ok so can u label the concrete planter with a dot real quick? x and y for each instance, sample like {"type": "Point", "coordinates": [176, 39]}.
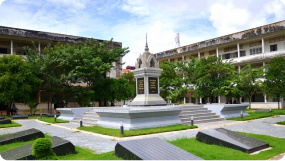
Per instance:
{"type": "Point", "coordinates": [71, 113]}
{"type": "Point", "coordinates": [138, 117]}
{"type": "Point", "coordinates": [228, 110]}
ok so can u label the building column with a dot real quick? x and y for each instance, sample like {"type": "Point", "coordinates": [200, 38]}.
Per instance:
{"type": "Point", "coordinates": [201, 100]}
{"type": "Point", "coordinates": [182, 57]}
{"type": "Point", "coordinates": [217, 52]}
{"type": "Point", "coordinates": [199, 55]}
{"type": "Point", "coordinates": [238, 50]}
{"type": "Point", "coordinates": [184, 100]}
{"type": "Point", "coordinates": [239, 68]}
{"type": "Point", "coordinates": [265, 101]}
{"type": "Point", "coordinates": [168, 59]}
{"type": "Point", "coordinates": [219, 99]}
{"type": "Point", "coordinates": [262, 44]}
{"type": "Point", "coordinates": [12, 47]}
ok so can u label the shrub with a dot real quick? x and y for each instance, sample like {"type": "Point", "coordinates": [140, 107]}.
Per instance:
{"type": "Point", "coordinates": [42, 149]}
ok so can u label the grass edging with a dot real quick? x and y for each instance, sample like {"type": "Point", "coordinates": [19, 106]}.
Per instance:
{"type": "Point", "coordinates": [51, 120]}
{"type": "Point", "coordinates": [13, 124]}
{"type": "Point", "coordinates": [146, 131]}
{"type": "Point", "coordinates": [257, 115]}
{"type": "Point", "coordinates": [280, 123]}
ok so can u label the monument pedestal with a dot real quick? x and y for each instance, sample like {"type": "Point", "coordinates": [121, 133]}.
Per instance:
{"type": "Point", "coordinates": [147, 87]}
{"type": "Point", "coordinates": [138, 117]}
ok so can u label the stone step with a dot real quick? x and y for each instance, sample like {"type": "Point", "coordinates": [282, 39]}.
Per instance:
{"type": "Point", "coordinates": [198, 109]}
{"type": "Point", "coordinates": [203, 121]}
{"type": "Point", "coordinates": [200, 118]}
{"type": "Point", "coordinates": [85, 122]}
{"type": "Point", "coordinates": [195, 115]}
{"type": "Point", "coordinates": [90, 117]}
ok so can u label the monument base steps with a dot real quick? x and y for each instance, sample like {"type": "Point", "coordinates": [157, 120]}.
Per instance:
{"type": "Point", "coordinates": [89, 118]}
{"type": "Point", "coordinates": [200, 114]}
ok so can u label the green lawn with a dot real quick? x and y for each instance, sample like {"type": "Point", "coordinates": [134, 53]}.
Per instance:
{"type": "Point", "coordinates": [10, 146]}
{"type": "Point", "coordinates": [214, 152]}
{"type": "Point", "coordinates": [281, 123]}
{"type": "Point", "coordinates": [51, 120]}
{"type": "Point", "coordinates": [13, 124]}
{"type": "Point", "coordinates": [87, 154]}
{"type": "Point", "coordinates": [116, 132]}
{"type": "Point", "coordinates": [207, 152]}
{"type": "Point", "coordinates": [259, 115]}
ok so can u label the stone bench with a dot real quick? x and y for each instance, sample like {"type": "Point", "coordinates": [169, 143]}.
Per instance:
{"type": "Point", "coordinates": [5, 121]}
{"type": "Point", "coordinates": [52, 115]}
{"type": "Point", "coordinates": [20, 116]}
{"type": "Point", "coordinates": [25, 135]}
{"type": "Point", "coordinates": [260, 111]}
{"type": "Point", "coordinates": [59, 146]}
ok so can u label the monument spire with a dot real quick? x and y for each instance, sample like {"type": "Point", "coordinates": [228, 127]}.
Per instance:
{"type": "Point", "coordinates": [146, 46]}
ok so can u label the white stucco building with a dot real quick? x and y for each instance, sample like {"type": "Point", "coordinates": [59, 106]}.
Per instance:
{"type": "Point", "coordinates": [256, 46]}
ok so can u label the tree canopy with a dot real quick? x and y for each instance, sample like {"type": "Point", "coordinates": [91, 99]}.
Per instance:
{"type": "Point", "coordinates": [17, 80]}
{"type": "Point", "coordinates": [76, 70]}
{"type": "Point", "coordinates": [275, 79]}
{"type": "Point", "coordinates": [171, 84]}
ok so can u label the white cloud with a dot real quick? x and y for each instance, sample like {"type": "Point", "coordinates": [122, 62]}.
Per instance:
{"type": "Point", "coordinates": [78, 4]}
{"type": "Point", "coordinates": [233, 16]}
{"type": "Point", "coordinates": [1, 1]}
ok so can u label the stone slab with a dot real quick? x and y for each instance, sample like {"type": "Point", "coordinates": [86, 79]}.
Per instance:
{"type": "Point", "coordinates": [20, 116]}
{"type": "Point", "coordinates": [52, 115]}
{"type": "Point", "coordinates": [138, 117]}
{"type": "Point", "coordinates": [59, 146]}
{"type": "Point", "coordinates": [69, 114]}
{"type": "Point", "coordinates": [265, 111]}
{"type": "Point", "coordinates": [228, 110]}
{"type": "Point", "coordinates": [2, 118]}
{"type": "Point", "coordinates": [230, 139]}
{"type": "Point", "coordinates": [5, 121]}
{"type": "Point", "coordinates": [151, 149]}
{"type": "Point", "coordinates": [24, 135]}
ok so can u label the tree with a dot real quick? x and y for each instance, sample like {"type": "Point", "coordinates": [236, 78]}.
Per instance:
{"type": "Point", "coordinates": [275, 79]}
{"type": "Point", "coordinates": [17, 80]}
{"type": "Point", "coordinates": [82, 64]}
{"type": "Point", "coordinates": [250, 81]}
{"type": "Point", "coordinates": [171, 84]}
{"type": "Point", "coordinates": [209, 76]}
{"type": "Point", "coordinates": [50, 68]}
{"type": "Point", "coordinates": [129, 76]}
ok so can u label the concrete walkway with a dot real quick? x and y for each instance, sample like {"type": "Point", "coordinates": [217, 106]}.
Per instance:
{"type": "Point", "coordinates": [101, 143]}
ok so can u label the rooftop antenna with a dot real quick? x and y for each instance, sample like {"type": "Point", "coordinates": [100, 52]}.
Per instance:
{"type": "Point", "coordinates": [177, 40]}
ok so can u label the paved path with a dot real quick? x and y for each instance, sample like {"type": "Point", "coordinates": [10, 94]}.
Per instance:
{"type": "Point", "coordinates": [100, 143]}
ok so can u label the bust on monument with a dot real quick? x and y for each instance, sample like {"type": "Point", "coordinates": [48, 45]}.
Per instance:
{"type": "Point", "coordinates": [147, 80]}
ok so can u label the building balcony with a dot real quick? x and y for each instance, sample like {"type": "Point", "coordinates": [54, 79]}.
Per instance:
{"type": "Point", "coordinates": [257, 57]}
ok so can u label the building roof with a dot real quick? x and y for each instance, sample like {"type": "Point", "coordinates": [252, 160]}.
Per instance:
{"type": "Point", "coordinates": [41, 35]}
{"type": "Point", "coordinates": [254, 32]}
{"type": "Point", "coordinates": [125, 70]}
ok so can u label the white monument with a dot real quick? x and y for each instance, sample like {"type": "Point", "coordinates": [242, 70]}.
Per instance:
{"type": "Point", "coordinates": [147, 80]}
{"type": "Point", "coordinates": [148, 109]}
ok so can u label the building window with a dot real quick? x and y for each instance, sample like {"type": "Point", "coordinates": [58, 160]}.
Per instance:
{"type": "Point", "coordinates": [255, 51]}
{"type": "Point", "coordinates": [273, 47]}
{"type": "Point", "coordinates": [227, 56]}
{"type": "Point", "coordinates": [3, 51]}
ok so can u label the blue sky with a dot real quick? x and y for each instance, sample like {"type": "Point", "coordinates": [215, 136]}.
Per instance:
{"type": "Point", "coordinates": [128, 21]}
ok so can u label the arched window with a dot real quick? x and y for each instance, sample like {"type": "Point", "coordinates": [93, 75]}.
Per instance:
{"type": "Point", "coordinates": [140, 63]}
{"type": "Point", "coordinates": [152, 64]}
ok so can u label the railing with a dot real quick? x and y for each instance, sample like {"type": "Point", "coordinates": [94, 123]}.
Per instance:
{"type": "Point", "coordinates": [261, 56]}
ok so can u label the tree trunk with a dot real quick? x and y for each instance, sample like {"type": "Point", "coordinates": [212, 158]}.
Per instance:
{"type": "Point", "coordinates": [249, 102]}
{"type": "Point", "coordinates": [278, 103]}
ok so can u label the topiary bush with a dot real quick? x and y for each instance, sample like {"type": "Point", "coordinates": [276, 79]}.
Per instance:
{"type": "Point", "coordinates": [42, 149]}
